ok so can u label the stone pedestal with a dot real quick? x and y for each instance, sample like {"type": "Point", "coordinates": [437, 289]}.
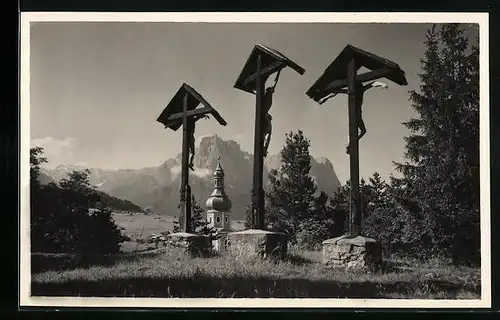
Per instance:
{"type": "Point", "coordinates": [192, 244]}
{"type": "Point", "coordinates": [258, 243]}
{"type": "Point", "coordinates": [352, 253]}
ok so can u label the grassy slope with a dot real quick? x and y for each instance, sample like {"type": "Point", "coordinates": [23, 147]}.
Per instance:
{"type": "Point", "coordinates": [166, 273]}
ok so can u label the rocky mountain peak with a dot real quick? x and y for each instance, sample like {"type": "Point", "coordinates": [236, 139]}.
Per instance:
{"type": "Point", "coordinates": [158, 187]}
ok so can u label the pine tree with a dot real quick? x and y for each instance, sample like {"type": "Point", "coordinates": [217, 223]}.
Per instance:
{"type": "Point", "coordinates": [374, 195]}
{"type": "Point", "coordinates": [376, 209]}
{"type": "Point", "coordinates": [439, 190]}
{"type": "Point", "coordinates": [291, 193]}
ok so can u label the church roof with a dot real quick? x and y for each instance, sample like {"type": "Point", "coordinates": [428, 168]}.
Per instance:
{"type": "Point", "coordinates": [219, 172]}
{"type": "Point", "coordinates": [218, 200]}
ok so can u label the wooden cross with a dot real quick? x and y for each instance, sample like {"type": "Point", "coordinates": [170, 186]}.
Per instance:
{"type": "Point", "coordinates": [263, 62]}
{"type": "Point", "coordinates": [182, 111]}
{"type": "Point", "coordinates": [340, 73]}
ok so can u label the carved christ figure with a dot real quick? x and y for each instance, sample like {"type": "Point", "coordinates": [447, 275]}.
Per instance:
{"type": "Point", "coordinates": [359, 91]}
{"type": "Point", "coordinates": [191, 140]}
{"type": "Point", "coordinates": [267, 124]}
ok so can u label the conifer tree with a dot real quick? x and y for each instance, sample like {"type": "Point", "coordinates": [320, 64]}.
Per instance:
{"type": "Point", "coordinates": [291, 193]}
{"type": "Point", "coordinates": [439, 190]}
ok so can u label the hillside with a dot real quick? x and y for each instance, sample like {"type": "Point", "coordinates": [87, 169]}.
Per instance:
{"type": "Point", "coordinates": [157, 188]}
{"type": "Point", "coordinates": [118, 204]}
{"type": "Point", "coordinates": [107, 200]}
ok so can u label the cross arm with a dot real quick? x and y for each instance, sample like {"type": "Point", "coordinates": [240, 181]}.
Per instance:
{"type": "Point", "coordinates": [190, 113]}
{"type": "Point", "coordinates": [334, 86]}
{"type": "Point", "coordinates": [267, 71]}
{"type": "Point", "coordinates": [176, 118]}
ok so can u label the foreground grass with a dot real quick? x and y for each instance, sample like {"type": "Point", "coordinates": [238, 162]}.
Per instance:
{"type": "Point", "coordinates": [166, 273]}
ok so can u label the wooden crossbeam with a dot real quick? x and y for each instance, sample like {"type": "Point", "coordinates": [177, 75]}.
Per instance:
{"type": "Point", "coordinates": [368, 76]}
{"type": "Point", "coordinates": [270, 69]}
{"type": "Point", "coordinates": [190, 113]}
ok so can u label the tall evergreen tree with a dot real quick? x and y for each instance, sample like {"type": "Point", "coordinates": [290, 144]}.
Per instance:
{"type": "Point", "coordinates": [374, 195]}
{"type": "Point", "coordinates": [439, 189]}
{"type": "Point", "coordinates": [378, 191]}
{"type": "Point", "coordinates": [291, 193]}
{"type": "Point", "coordinates": [379, 212]}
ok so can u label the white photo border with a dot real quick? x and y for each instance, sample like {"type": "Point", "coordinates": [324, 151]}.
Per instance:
{"type": "Point", "coordinates": [257, 17]}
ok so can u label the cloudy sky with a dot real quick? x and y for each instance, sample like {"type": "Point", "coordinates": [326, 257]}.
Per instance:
{"type": "Point", "coordinates": [97, 88]}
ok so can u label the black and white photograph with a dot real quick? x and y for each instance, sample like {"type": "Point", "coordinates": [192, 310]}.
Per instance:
{"type": "Point", "coordinates": [259, 160]}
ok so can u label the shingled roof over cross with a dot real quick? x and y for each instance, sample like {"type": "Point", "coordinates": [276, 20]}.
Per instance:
{"type": "Point", "coordinates": [272, 61]}
{"type": "Point", "coordinates": [171, 116]}
{"type": "Point", "coordinates": [335, 75]}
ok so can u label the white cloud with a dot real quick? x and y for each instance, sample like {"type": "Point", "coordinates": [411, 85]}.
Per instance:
{"type": "Point", "coordinates": [175, 171]}
{"type": "Point", "coordinates": [199, 172]}
{"type": "Point", "coordinates": [239, 137]}
{"type": "Point", "coordinates": [57, 151]}
{"type": "Point", "coordinates": [202, 173]}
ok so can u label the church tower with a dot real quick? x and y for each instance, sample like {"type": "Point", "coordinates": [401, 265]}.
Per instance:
{"type": "Point", "coordinates": [218, 208]}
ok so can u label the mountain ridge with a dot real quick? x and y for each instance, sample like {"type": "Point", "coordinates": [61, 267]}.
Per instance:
{"type": "Point", "coordinates": [157, 188]}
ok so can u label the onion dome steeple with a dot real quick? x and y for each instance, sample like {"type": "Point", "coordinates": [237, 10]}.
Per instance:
{"type": "Point", "coordinates": [218, 200]}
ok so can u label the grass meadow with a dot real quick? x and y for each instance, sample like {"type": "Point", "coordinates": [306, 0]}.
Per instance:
{"type": "Point", "coordinates": [165, 273]}
{"type": "Point", "coordinates": [141, 226]}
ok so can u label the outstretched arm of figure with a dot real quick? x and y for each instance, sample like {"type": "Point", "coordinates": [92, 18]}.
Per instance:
{"type": "Point", "coordinates": [203, 116]}
{"type": "Point", "coordinates": [375, 84]}
{"type": "Point", "coordinates": [276, 79]}
{"type": "Point", "coordinates": [273, 86]}
{"type": "Point", "coordinates": [332, 95]}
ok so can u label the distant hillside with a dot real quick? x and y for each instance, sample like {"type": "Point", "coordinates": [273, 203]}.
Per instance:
{"type": "Point", "coordinates": [45, 178]}
{"type": "Point", "coordinates": [118, 204]}
{"type": "Point", "coordinates": [158, 187]}
{"type": "Point", "coordinates": [107, 200]}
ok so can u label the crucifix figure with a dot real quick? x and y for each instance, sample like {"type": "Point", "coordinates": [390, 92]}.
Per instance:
{"type": "Point", "coordinates": [191, 127]}
{"type": "Point", "coordinates": [182, 111]}
{"type": "Point", "coordinates": [262, 63]}
{"type": "Point", "coordinates": [341, 76]}
{"type": "Point", "coordinates": [359, 93]}
{"type": "Point", "coordinates": [268, 102]}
